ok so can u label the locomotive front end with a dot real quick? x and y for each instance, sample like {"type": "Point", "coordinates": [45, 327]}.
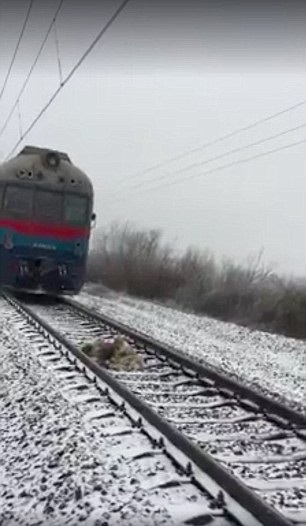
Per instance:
{"type": "Point", "coordinates": [45, 219]}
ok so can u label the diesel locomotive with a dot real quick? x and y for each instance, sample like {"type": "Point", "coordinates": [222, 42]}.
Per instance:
{"type": "Point", "coordinates": [46, 216]}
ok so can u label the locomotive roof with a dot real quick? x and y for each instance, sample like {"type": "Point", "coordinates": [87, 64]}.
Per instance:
{"type": "Point", "coordinates": [30, 150]}
{"type": "Point", "coordinates": [30, 167]}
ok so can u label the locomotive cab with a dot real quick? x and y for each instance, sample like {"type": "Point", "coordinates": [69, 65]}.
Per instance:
{"type": "Point", "coordinates": [45, 221]}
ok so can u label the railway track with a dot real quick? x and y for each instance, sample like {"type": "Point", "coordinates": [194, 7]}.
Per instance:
{"type": "Point", "coordinates": [252, 447]}
{"type": "Point", "coordinates": [159, 472]}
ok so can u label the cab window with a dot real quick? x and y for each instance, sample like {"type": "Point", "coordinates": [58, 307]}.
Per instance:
{"type": "Point", "coordinates": [18, 201]}
{"type": "Point", "coordinates": [1, 196]}
{"type": "Point", "coordinates": [48, 206]}
{"type": "Point", "coordinates": [76, 209]}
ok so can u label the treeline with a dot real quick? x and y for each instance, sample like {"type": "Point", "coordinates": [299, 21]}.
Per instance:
{"type": "Point", "coordinates": [137, 262]}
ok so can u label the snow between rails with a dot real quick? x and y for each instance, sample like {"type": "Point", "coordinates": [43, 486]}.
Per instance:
{"type": "Point", "coordinates": [274, 364]}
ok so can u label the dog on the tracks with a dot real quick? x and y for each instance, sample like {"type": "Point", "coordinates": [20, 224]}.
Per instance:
{"type": "Point", "coordinates": [117, 355]}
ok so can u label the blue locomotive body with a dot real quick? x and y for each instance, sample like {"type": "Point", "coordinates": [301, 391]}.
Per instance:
{"type": "Point", "coordinates": [45, 220]}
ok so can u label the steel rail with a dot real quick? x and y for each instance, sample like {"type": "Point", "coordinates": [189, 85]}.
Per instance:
{"type": "Point", "coordinates": [267, 405]}
{"type": "Point", "coordinates": [239, 498]}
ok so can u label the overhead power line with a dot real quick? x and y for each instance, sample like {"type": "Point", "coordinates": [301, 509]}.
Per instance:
{"type": "Point", "coordinates": [58, 53]}
{"type": "Point", "coordinates": [220, 168]}
{"type": "Point", "coordinates": [17, 47]}
{"type": "Point", "coordinates": [43, 43]}
{"type": "Point", "coordinates": [210, 159]}
{"type": "Point", "coordinates": [72, 72]}
{"type": "Point", "coordinates": [213, 142]}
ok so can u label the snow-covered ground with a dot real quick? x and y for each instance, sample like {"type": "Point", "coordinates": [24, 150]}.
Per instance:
{"type": "Point", "coordinates": [59, 465]}
{"type": "Point", "coordinates": [274, 364]}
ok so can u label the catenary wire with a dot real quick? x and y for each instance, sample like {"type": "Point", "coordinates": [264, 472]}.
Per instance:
{"type": "Point", "coordinates": [43, 43]}
{"type": "Point", "coordinates": [216, 169]}
{"type": "Point", "coordinates": [16, 48]}
{"type": "Point", "coordinates": [210, 159]}
{"type": "Point", "coordinates": [222, 138]}
{"type": "Point", "coordinates": [68, 77]}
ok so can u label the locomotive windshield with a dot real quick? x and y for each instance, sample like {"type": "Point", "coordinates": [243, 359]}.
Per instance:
{"type": "Point", "coordinates": [45, 205]}
{"type": "Point", "coordinates": [48, 205]}
{"type": "Point", "coordinates": [76, 209]}
{"type": "Point", "coordinates": [18, 202]}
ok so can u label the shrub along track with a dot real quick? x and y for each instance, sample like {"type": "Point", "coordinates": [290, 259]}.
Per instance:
{"type": "Point", "coordinates": [252, 447]}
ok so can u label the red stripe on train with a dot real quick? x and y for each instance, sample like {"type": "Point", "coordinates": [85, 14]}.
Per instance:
{"type": "Point", "coordinates": [38, 229]}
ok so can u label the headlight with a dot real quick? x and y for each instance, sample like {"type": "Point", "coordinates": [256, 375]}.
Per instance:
{"type": "Point", "coordinates": [52, 160]}
{"type": "Point", "coordinates": [8, 242]}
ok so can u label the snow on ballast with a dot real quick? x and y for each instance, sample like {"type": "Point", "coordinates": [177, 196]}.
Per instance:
{"type": "Point", "coordinates": [68, 453]}
{"type": "Point", "coordinates": [264, 450]}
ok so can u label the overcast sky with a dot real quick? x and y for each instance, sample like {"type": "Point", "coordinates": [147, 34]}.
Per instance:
{"type": "Point", "coordinates": [166, 78]}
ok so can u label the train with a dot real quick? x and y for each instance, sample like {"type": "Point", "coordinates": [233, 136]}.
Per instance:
{"type": "Point", "coordinates": [46, 218]}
